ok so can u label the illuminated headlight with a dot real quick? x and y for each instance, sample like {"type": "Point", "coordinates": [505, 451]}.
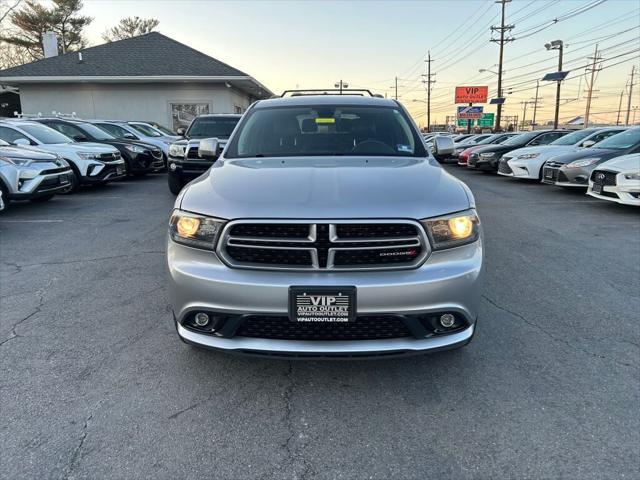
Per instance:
{"type": "Point", "coordinates": [528, 155]}
{"type": "Point", "coordinates": [89, 155]}
{"type": "Point", "coordinates": [194, 230]}
{"type": "Point", "coordinates": [453, 230]}
{"type": "Point", "coordinates": [582, 163]}
{"type": "Point", "coordinates": [134, 148]}
{"type": "Point", "coordinates": [487, 155]}
{"type": "Point", "coordinates": [176, 150]}
{"type": "Point", "coordinates": [632, 176]}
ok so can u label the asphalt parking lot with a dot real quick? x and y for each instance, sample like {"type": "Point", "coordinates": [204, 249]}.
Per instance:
{"type": "Point", "coordinates": [96, 384]}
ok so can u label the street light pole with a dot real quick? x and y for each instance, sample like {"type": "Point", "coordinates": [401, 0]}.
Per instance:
{"type": "Point", "coordinates": [557, 45]}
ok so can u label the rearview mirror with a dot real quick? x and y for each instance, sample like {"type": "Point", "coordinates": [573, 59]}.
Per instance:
{"type": "Point", "coordinates": [21, 141]}
{"type": "Point", "coordinates": [181, 131]}
{"type": "Point", "coordinates": [442, 147]}
{"type": "Point", "coordinates": [208, 148]}
{"type": "Point", "coordinates": [588, 143]}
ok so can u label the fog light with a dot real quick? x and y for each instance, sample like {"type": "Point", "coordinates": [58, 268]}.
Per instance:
{"type": "Point", "coordinates": [447, 320]}
{"type": "Point", "coordinates": [201, 319]}
{"type": "Point", "coordinates": [172, 167]}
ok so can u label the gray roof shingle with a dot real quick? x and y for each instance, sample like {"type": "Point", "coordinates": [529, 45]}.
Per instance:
{"type": "Point", "coordinates": [152, 54]}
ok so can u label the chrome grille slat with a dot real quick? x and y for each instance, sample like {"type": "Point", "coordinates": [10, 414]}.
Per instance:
{"type": "Point", "coordinates": [324, 245]}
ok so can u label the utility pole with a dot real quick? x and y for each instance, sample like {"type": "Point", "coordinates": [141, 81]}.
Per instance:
{"type": "Point", "coordinates": [557, 45]}
{"type": "Point", "coordinates": [501, 41]}
{"type": "Point", "coordinates": [633, 69]}
{"type": "Point", "coordinates": [535, 106]}
{"type": "Point", "coordinates": [524, 114]}
{"type": "Point", "coordinates": [396, 88]}
{"type": "Point", "coordinates": [429, 82]}
{"type": "Point", "coordinates": [620, 105]}
{"type": "Point", "coordinates": [590, 92]}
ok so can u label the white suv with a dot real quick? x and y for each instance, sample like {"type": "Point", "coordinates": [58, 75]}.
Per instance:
{"type": "Point", "coordinates": [91, 162]}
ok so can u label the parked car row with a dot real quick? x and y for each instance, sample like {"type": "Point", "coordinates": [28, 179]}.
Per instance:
{"type": "Point", "coordinates": [44, 156]}
{"type": "Point", "coordinates": [604, 161]}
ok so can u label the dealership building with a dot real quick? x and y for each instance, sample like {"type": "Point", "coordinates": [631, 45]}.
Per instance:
{"type": "Point", "coordinates": [151, 77]}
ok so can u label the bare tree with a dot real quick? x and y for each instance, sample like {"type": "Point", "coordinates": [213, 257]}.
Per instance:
{"type": "Point", "coordinates": [130, 27]}
{"type": "Point", "coordinates": [6, 7]}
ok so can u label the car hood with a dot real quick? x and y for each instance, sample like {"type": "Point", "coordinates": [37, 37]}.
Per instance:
{"type": "Point", "coordinates": [325, 187]}
{"type": "Point", "coordinates": [123, 143]}
{"type": "Point", "coordinates": [27, 154]}
{"type": "Point", "coordinates": [625, 163]}
{"type": "Point", "coordinates": [81, 147]}
{"type": "Point", "coordinates": [600, 153]}
{"type": "Point", "coordinates": [542, 149]}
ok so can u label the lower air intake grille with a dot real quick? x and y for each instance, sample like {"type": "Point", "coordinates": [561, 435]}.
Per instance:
{"type": "Point", "coordinates": [364, 328]}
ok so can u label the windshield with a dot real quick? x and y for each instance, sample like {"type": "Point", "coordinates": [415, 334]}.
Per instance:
{"type": "Point", "coordinates": [115, 130]}
{"type": "Point", "coordinates": [326, 130]}
{"type": "Point", "coordinates": [521, 139]}
{"type": "Point", "coordinates": [620, 141]}
{"type": "Point", "coordinates": [45, 134]}
{"type": "Point", "coordinates": [164, 130]}
{"type": "Point", "coordinates": [491, 139]}
{"type": "Point", "coordinates": [574, 137]}
{"type": "Point", "coordinates": [219, 127]}
{"type": "Point", "coordinates": [95, 132]}
{"type": "Point", "coordinates": [145, 130]}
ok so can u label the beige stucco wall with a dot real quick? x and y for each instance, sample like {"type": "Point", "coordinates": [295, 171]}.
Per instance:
{"type": "Point", "coordinates": [136, 101]}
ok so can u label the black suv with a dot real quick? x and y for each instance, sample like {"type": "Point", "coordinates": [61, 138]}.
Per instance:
{"type": "Point", "coordinates": [139, 157]}
{"type": "Point", "coordinates": [185, 163]}
{"type": "Point", "coordinates": [488, 158]}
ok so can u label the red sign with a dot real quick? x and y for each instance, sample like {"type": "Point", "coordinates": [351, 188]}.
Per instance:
{"type": "Point", "coordinates": [472, 94]}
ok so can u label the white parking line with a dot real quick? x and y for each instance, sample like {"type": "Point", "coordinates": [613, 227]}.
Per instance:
{"type": "Point", "coordinates": [31, 221]}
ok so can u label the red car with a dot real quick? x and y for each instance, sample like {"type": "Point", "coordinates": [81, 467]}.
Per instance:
{"type": "Point", "coordinates": [463, 157]}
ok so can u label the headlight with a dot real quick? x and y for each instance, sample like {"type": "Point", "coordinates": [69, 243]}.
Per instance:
{"type": "Point", "coordinates": [528, 155]}
{"type": "Point", "coordinates": [28, 174]}
{"type": "Point", "coordinates": [632, 176]}
{"type": "Point", "coordinates": [16, 161]}
{"type": "Point", "coordinates": [89, 155]}
{"type": "Point", "coordinates": [582, 163]}
{"type": "Point", "coordinates": [487, 155]}
{"type": "Point", "coordinates": [176, 150]}
{"type": "Point", "coordinates": [134, 148]}
{"type": "Point", "coordinates": [453, 230]}
{"type": "Point", "coordinates": [194, 230]}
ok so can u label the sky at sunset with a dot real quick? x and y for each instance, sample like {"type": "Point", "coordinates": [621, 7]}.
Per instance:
{"type": "Point", "coordinates": [311, 44]}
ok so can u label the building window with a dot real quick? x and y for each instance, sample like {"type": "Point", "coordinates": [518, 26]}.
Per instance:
{"type": "Point", "coordinates": [237, 109]}
{"type": "Point", "coordinates": [183, 113]}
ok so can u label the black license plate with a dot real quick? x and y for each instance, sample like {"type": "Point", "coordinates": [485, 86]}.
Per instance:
{"type": "Point", "coordinates": [597, 188]}
{"type": "Point", "coordinates": [63, 179]}
{"type": "Point", "coordinates": [322, 304]}
{"type": "Point", "coordinates": [119, 170]}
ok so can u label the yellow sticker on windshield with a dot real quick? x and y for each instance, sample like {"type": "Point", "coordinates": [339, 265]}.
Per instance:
{"type": "Point", "coordinates": [326, 120]}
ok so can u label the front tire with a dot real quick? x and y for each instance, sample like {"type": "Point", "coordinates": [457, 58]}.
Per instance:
{"type": "Point", "coordinates": [175, 184]}
{"type": "Point", "coordinates": [74, 183]}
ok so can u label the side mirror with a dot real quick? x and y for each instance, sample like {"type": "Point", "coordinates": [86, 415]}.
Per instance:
{"type": "Point", "coordinates": [181, 131]}
{"type": "Point", "coordinates": [21, 141]}
{"type": "Point", "coordinates": [442, 147]}
{"type": "Point", "coordinates": [130, 136]}
{"type": "Point", "coordinates": [588, 143]}
{"type": "Point", "coordinates": [79, 138]}
{"type": "Point", "coordinates": [208, 148]}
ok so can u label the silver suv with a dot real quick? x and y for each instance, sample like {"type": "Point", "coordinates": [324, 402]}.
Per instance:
{"type": "Point", "coordinates": [325, 228]}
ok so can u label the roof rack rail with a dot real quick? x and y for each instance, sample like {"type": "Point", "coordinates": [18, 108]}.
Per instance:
{"type": "Point", "coordinates": [65, 115]}
{"type": "Point", "coordinates": [330, 91]}
{"type": "Point", "coordinates": [27, 115]}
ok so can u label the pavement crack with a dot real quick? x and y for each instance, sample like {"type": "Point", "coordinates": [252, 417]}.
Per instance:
{"type": "Point", "coordinates": [82, 260]}
{"type": "Point", "coordinates": [76, 455]}
{"type": "Point", "coordinates": [550, 335]}
{"type": "Point", "coordinates": [189, 408]}
{"type": "Point", "coordinates": [12, 333]}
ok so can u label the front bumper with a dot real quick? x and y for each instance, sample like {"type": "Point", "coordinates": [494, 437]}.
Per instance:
{"type": "Point", "coordinates": [567, 177]}
{"type": "Point", "coordinates": [105, 172]}
{"type": "Point", "coordinates": [625, 192]}
{"type": "Point", "coordinates": [42, 185]}
{"type": "Point", "coordinates": [146, 162]}
{"type": "Point", "coordinates": [188, 169]}
{"type": "Point", "coordinates": [485, 164]}
{"type": "Point", "coordinates": [447, 282]}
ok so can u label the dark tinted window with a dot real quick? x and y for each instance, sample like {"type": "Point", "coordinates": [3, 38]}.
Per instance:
{"type": "Point", "coordinates": [326, 130]}
{"type": "Point", "coordinates": [219, 127]}
{"type": "Point", "coordinates": [115, 130]}
{"type": "Point", "coordinates": [10, 135]}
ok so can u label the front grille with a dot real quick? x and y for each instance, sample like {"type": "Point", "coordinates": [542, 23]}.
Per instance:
{"type": "Point", "coordinates": [550, 174]}
{"type": "Point", "coordinates": [503, 167]}
{"type": "Point", "coordinates": [54, 170]}
{"type": "Point", "coordinates": [344, 245]}
{"type": "Point", "coordinates": [554, 164]}
{"type": "Point", "coordinates": [604, 177]}
{"type": "Point", "coordinates": [473, 159]}
{"type": "Point", "coordinates": [157, 154]}
{"type": "Point", "coordinates": [109, 157]}
{"type": "Point", "coordinates": [364, 328]}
